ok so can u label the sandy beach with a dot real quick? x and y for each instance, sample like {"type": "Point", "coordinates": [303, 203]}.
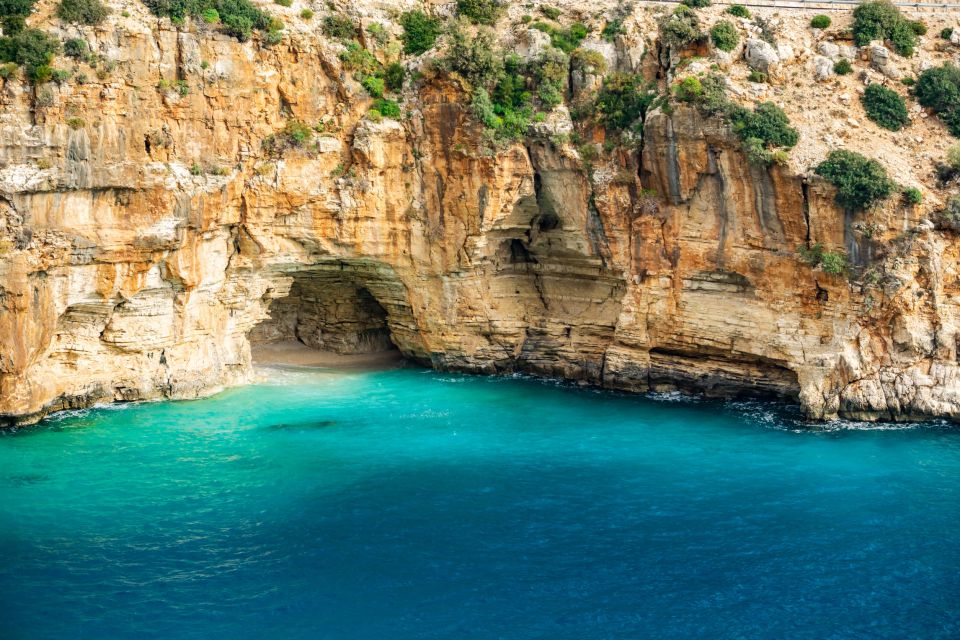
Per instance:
{"type": "Point", "coordinates": [297, 354]}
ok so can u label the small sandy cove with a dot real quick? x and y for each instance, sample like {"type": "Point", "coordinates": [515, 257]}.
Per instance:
{"type": "Point", "coordinates": [297, 354]}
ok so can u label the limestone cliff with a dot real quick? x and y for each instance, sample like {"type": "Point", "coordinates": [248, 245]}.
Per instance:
{"type": "Point", "coordinates": [147, 233]}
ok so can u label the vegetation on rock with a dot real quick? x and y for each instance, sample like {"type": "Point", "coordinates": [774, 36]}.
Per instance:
{"type": "Point", "coordinates": [420, 32]}
{"type": "Point", "coordinates": [885, 107]}
{"type": "Point", "coordinates": [564, 39]}
{"type": "Point", "coordinates": [860, 182]}
{"type": "Point", "coordinates": [832, 262]}
{"type": "Point", "coordinates": [881, 20]}
{"type": "Point", "coordinates": [842, 67]}
{"type": "Point", "coordinates": [339, 27]}
{"type": "Point", "coordinates": [938, 88]}
{"type": "Point", "coordinates": [738, 10]}
{"type": "Point", "coordinates": [485, 12]}
{"type": "Point", "coordinates": [724, 35]}
{"type": "Point", "coordinates": [624, 100]}
{"type": "Point", "coordinates": [89, 12]}
{"type": "Point", "coordinates": [238, 17]}
{"type": "Point", "coordinates": [33, 50]}
{"type": "Point", "coordinates": [680, 28]}
{"type": "Point", "coordinates": [820, 21]}
{"type": "Point", "coordinates": [13, 15]}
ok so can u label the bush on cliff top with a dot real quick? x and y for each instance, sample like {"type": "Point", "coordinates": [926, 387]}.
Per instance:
{"type": "Point", "coordinates": [680, 28]}
{"type": "Point", "coordinates": [33, 50]}
{"type": "Point", "coordinates": [881, 20]}
{"type": "Point", "coordinates": [860, 182]}
{"type": "Point", "coordinates": [238, 17]}
{"type": "Point", "coordinates": [89, 12]}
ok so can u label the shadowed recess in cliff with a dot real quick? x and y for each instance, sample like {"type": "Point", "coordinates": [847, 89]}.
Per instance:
{"type": "Point", "coordinates": [340, 307]}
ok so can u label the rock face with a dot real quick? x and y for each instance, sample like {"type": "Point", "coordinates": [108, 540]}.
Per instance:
{"type": "Point", "coordinates": [125, 275]}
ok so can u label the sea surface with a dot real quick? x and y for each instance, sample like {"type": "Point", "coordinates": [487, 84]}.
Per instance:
{"type": "Point", "coordinates": [413, 504]}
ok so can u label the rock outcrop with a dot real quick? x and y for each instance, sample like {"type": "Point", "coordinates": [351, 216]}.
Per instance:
{"type": "Point", "coordinates": [148, 237]}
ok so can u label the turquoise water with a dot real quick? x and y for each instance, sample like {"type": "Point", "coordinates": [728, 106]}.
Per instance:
{"type": "Point", "coordinates": [412, 504]}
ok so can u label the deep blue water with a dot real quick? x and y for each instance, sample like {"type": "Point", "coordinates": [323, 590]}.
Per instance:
{"type": "Point", "coordinates": [412, 504]}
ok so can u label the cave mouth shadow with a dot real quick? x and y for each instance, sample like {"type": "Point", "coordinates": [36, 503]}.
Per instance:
{"type": "Point", "coordinates": [328, 309]}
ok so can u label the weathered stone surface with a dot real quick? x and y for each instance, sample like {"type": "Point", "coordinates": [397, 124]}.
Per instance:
{"type": "Point", "coordinates": [761, 56]}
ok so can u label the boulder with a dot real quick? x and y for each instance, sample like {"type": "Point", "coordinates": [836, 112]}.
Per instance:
{"type": "Point", "coordinates": [823, 68]}
{"type": "Point", "coordinates": [761, 56]}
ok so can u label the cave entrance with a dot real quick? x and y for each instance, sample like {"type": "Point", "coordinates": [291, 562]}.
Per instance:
{"type": "Point", "coordinates": [329, 309]}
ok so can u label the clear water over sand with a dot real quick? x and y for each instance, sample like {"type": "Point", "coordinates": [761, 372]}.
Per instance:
{"type": "Point", "coordinates": [412, 504]}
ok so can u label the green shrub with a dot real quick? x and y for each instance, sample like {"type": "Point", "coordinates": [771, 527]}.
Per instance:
{"type": "Point", "coordinates": [724, 35]}
{"type": "Point", "coordinates": [183, 88]}
{"type": "Point", "coordinates": [696, 4]}
{"type": "Point", "coordinates": [210, 16]}
{"type": "Point", "coordinates": [420, 32]}
{"type": "Point", "coordinates": [76, 123]}
{"type": "Point", "coordinates": [293, 134]}
{"type": "Point", "coordinates": [13, 15]}
{"type": "Point", "coordinates": [912, 195]}
{"type": "Point", "coordinates": [307, 14]}
{"type": "Point", "coordinates": [881, 20]}
{"type": "Point", "coordinates": [551, 12]}
{"type": "Point", "coordinates": [357, 59]}
{"type": "Point", "coordinates": [480, 11]}
{"type": "Point", "coordinates": [680, 28]}
{"type": "Point", "coordinates": [842, 67]}
{"type": "Point", "coordinates": [284, 3]}
{"type": "Point", "coordinates": [475, 58]}
{"type": "Point", "coordinates": [688, 89]}
{"type": "Point", "coordinates": [378, 33]}
{"type": "Point", "coordinates": [387, 108]}
{"type": "Point", "coordinates": [339, 27]}
{"type": "Point", "coordinates": [938, 88]}
{"type": "Point", "coordinates": [374, 86]}
{"type": "Point", "coordinates": [274, 36]}
{"type": "Point", "coordinates": [832, 262]}
{"type": "Point", "coordinates": [526, 18]}
{"type": "Point", "coordinates": [756, 76]}
{"type": "Point", "coordinates": [738, 10]}
{"type": "Point", "coordinates": [75, 48]}
{"type": "Point", "coordinates": [33, 50]}
{"type": "Point", "coordinates": [860, 182]}
{"type": "Point", "coordinates": [564, 39]}
{"type": "Point", "coordinates": [88, 12]}
{"type": "Point", "coordinates": [238, 18]}
{"type": "Point", "coordinates": [820, 21]}
{"type": "Point", "coordinates": [60, 75]}
{"type": "Point", "coordinates": [589, 61]}
{"type": "Point", "coordinates": [946, 33]}
{"type": "Point", "coordinates": [394, 75]}
{"type": "Point", "coordinates": [768, 123]}
{"type": "Point", "coordinates": [919, 28]}
{"type": "Point", "coordinates": [624, 100]}
{"type": "Point", "coordinates": [885, 107]}
{"type": "Point", "coordinates": [8, 70]}
{"type": "Point", "coordinates": [612, 29]}
{"type": "Point", "coordinates": [953, 157]}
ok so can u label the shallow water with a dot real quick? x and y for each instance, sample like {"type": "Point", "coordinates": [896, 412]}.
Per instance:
{"type": "Point", "coordinates": [412, 504]}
